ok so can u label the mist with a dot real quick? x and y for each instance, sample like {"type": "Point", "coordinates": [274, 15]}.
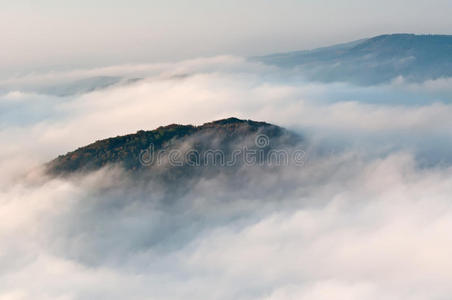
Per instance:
{"type": "Point", "coordinates": [367, 216]}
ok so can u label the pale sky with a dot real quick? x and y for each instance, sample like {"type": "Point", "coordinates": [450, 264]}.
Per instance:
{"type": "Point", "coordinates": [46, 34]}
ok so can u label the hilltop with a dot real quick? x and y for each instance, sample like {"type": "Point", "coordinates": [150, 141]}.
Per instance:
{"type": "Point", "coordinates": [375, 60]}
{"type": "Point", "coordinates": [126, 151]}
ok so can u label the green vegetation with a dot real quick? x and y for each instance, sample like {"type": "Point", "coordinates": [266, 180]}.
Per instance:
{"type": "Point", "coordinates": [125, 150]}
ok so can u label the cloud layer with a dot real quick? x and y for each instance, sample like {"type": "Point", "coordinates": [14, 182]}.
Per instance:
{"type": "Point", "coordinates": [367, 217]}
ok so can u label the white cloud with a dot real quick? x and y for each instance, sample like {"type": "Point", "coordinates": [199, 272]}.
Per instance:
{"type": "Point", "coordinates": [374, 229]}
{"type": "Point", "coordinates": [349, 225]}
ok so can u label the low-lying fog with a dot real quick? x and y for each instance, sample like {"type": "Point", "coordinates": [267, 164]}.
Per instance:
{"type": "Point", "coordinates": [368, 216]}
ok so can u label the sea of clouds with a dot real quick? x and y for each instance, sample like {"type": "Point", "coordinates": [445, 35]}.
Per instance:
{"type": "Point", "coordinates": [368, 216]}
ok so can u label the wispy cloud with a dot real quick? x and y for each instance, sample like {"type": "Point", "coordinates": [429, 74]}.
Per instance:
{"type": "Point", "coordinates": [363, 218]}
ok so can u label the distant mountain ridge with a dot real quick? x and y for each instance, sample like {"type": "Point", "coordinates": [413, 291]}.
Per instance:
{"type": "Point", "coordinates": [375, 60]}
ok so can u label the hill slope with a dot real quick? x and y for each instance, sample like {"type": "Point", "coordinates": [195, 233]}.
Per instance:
{"type": "Point", "coordinates": [133, 152]}
{"type": "Point", "coordinates": [375, 60]}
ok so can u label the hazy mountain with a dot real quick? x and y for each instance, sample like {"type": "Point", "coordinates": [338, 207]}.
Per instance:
{"type": "Point", "coordinates": [375, 60]}
{"type": "Point", "coordinates": [80, 86]}
{"type": "Point", "coordinates": [180, 148]}
{"type": "Point", "coordinates": [63, 87]}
